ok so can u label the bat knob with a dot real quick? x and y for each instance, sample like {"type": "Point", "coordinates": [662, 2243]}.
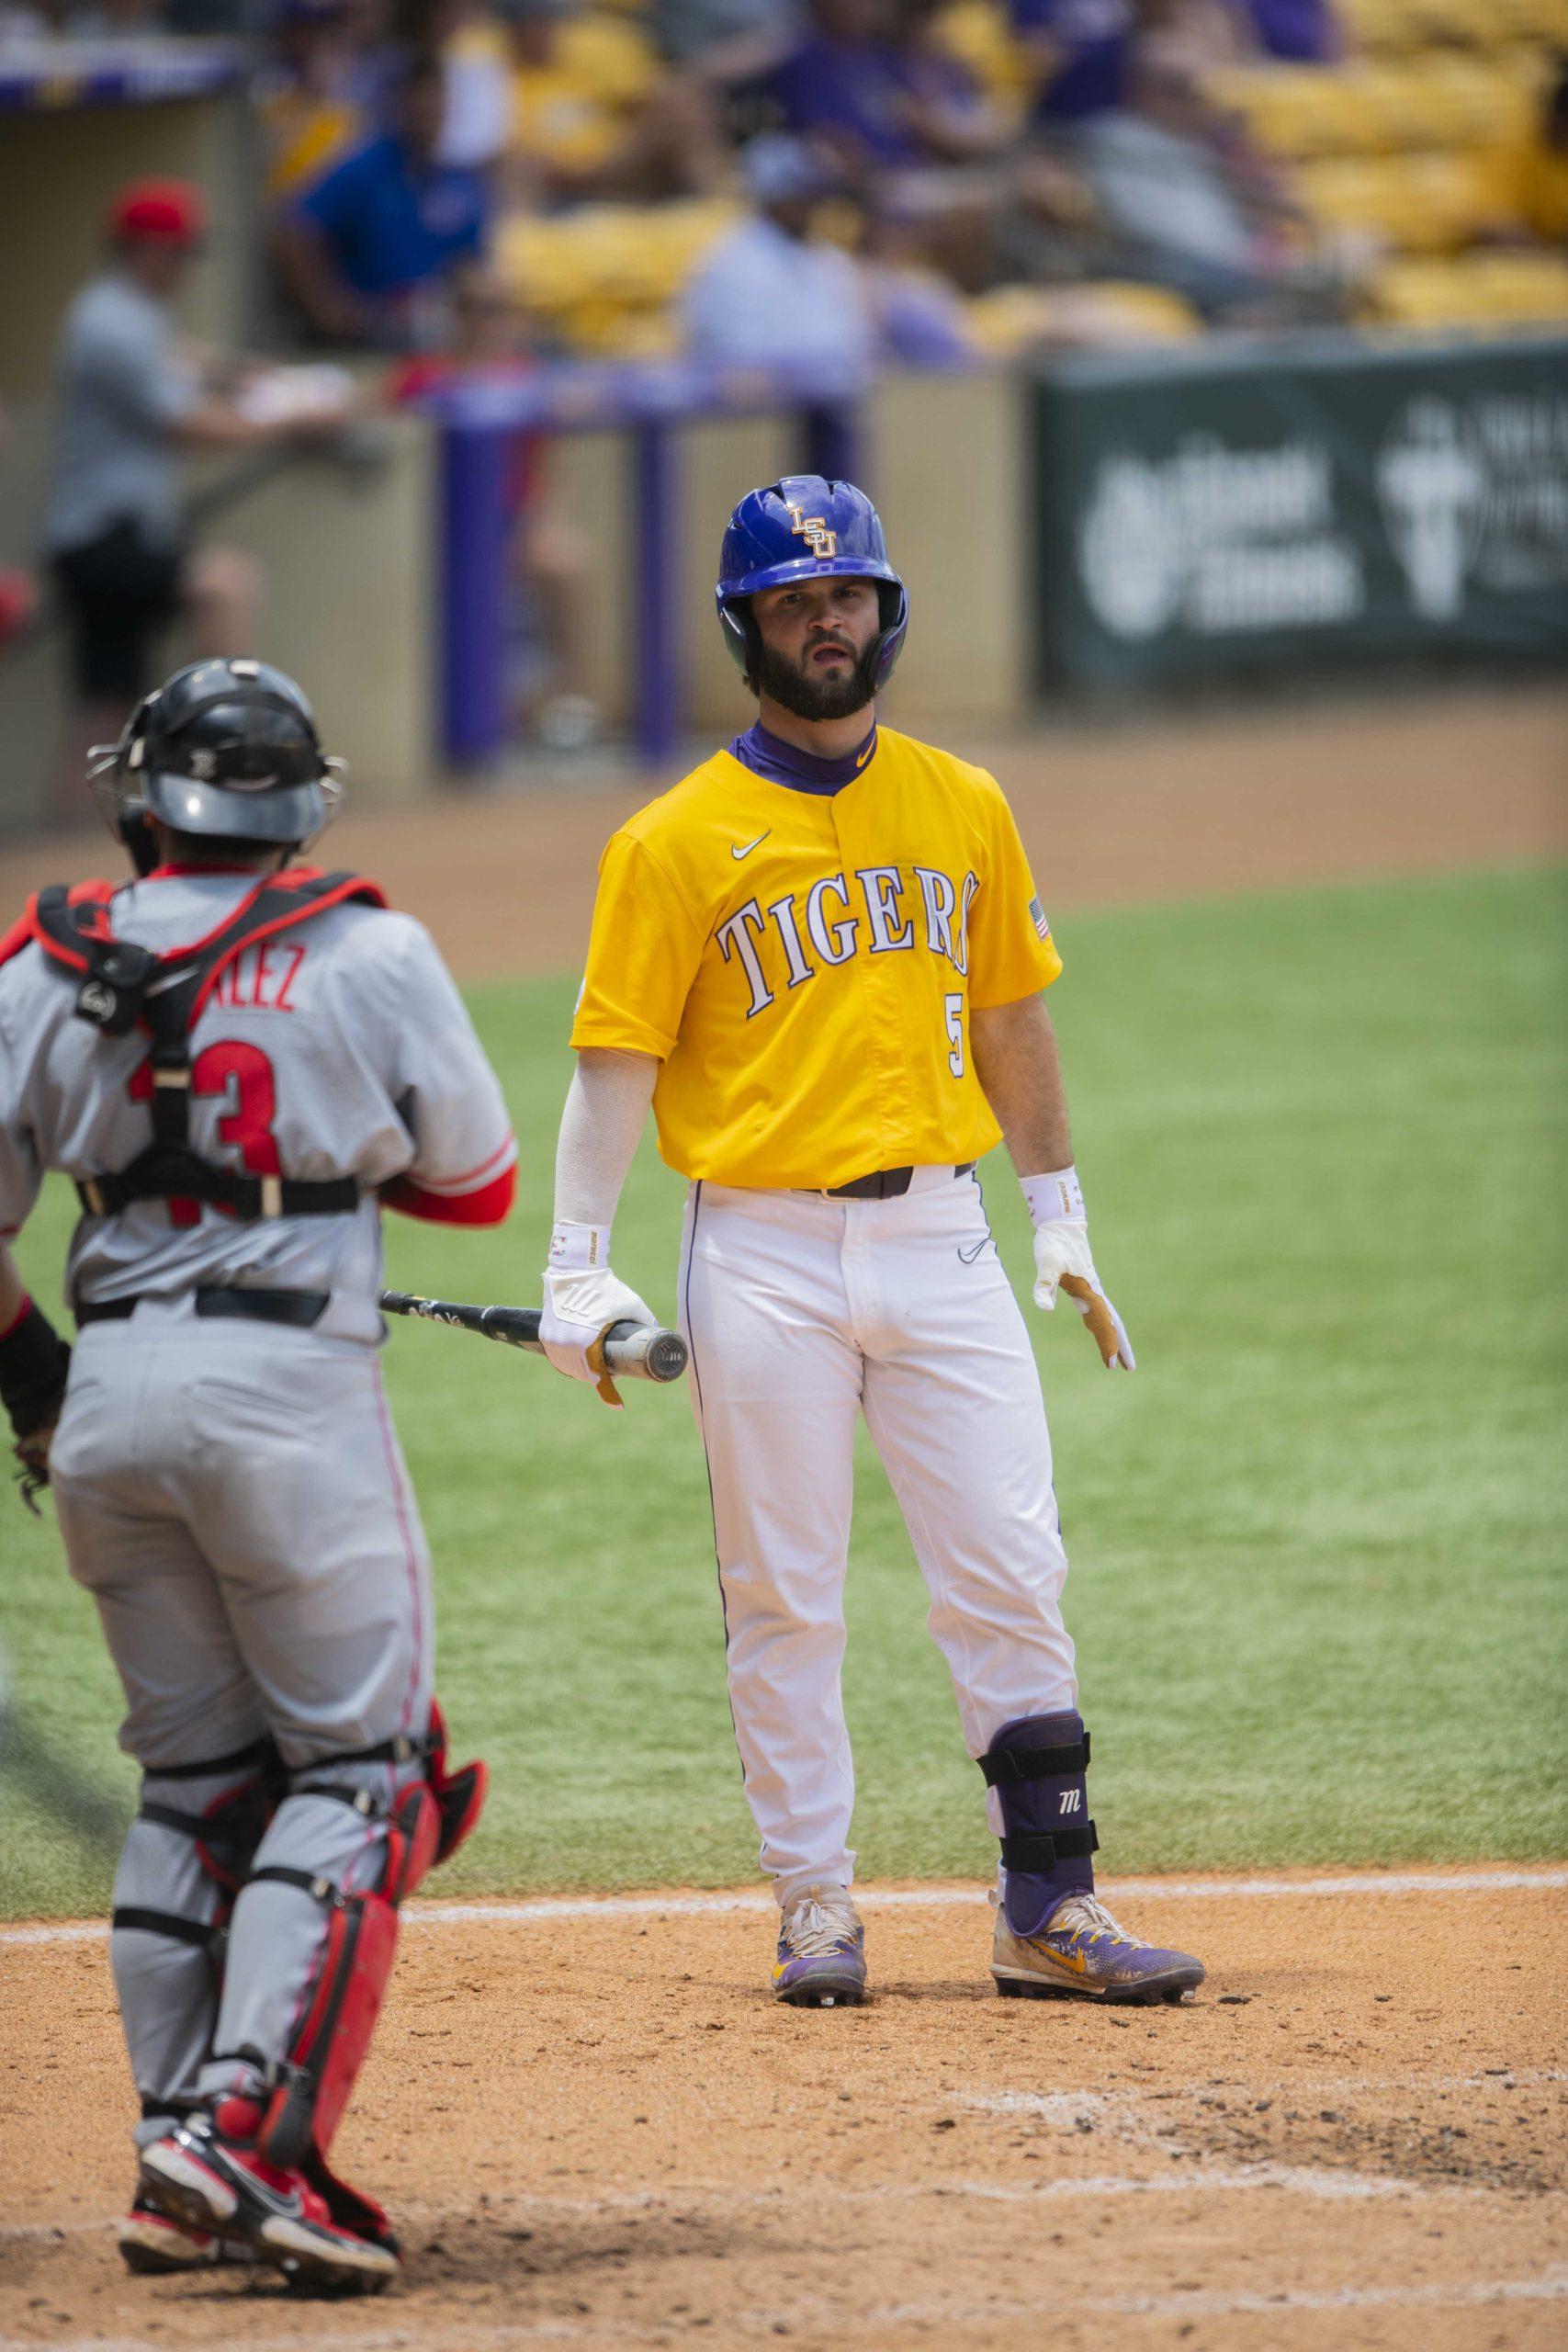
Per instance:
{"type": "Point", "coordinates": [667, 1356]}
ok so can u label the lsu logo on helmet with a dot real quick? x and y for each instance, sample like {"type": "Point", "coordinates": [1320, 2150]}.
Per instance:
{"type": "Point", "coordinates": [822, 542]}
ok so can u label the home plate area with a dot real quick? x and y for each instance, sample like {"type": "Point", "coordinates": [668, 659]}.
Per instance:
{"type": "Point", "coordinates": [593, 2127]}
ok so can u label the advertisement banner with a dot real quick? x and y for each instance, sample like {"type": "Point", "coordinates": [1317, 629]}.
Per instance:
{"type": "Point", "coordinates": [1206, 510]}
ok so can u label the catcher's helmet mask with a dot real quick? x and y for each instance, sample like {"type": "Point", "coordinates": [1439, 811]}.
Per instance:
{"type": "Point", "coordinates": [228, 750]}
{"type": "Point", "coordinates": [806, 528]}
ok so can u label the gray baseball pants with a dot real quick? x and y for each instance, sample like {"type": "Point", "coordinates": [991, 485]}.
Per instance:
{"type": "Point", "coordinates": [234, 1497]}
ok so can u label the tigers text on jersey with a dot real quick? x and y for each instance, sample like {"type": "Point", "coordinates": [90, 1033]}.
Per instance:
{"type": "Point", "coordinates": [342, 1050]}
{"type": "Point", "coordinates": [804, 964]}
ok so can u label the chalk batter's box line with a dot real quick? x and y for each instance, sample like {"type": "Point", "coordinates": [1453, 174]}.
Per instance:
{"type": "Point", "coordinates": [927, 1898]}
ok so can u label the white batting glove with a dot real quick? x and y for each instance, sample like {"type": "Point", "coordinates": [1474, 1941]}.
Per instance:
{"type": "Point", "coordinates": [1062, 1262]}
{"type": "Point", "coordinates": [582, 1299]}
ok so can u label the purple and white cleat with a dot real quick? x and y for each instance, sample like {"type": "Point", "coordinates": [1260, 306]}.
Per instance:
{"type": "Point", "coordinates": [1081, 1950]}
{"type": "Point", "coordinates": [822, 1959]}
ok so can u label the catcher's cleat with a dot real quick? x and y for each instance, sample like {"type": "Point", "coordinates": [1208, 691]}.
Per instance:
{"type": "Point", "coordinates": [1082, 1951]}
{"type": "Point", "coordinates": [209, 2184]}
{"type": "Point", "coordinates": [821, 1956]}
{"type": "Point", "coordinates": [155, 2246]}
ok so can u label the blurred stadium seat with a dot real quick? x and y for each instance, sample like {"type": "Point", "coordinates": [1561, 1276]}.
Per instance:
{"type": "Point", "coordinates": [604, 278]}
{"type": "Point", "coordinates": [1484, 289]}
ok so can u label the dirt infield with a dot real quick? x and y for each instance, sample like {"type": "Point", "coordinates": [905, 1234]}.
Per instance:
{"type": "Point", "coordinates": [595, 2127]}
{"type": "Point", "coordinates": [1185, 806]}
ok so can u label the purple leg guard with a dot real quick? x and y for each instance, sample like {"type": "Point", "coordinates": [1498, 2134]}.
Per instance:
{"type": "Point", "coordinates": [1036, 1766]}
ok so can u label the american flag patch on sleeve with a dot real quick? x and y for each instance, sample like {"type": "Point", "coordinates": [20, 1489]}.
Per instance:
{"type": "Point", "coordinates": [1038, 917]}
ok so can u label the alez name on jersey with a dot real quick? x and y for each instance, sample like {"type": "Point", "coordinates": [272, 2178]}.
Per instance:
{"type": "Point", "coordinates": [833, 928]}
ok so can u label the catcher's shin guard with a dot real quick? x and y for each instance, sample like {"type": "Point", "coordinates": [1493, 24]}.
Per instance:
{"type": "Point", "coordinates": [307, 2093]}
{"type": "Point", "coordinates": [187, 1853]}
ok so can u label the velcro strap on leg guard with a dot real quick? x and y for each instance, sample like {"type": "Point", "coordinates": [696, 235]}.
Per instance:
{"type": "Point", "coordinates": [459, 1795]}
{"type": "Point", "coordinates": [182, 2110]}
{"type": "Point", "coordinates": [333, 2032]}
{"type": "Point", "coordinates": [363, 1801]}
{"type": "Point", "coordinates": [1003, 1768]}
{"type": "Point", "coordinates": [205, 1935]}
{"type": "Point", "coordinates": [228, 1831]}
{"type": "Point", "coordinates": [261, 1752]}
{"type": "Point", "coordinates": [1038, 1853]}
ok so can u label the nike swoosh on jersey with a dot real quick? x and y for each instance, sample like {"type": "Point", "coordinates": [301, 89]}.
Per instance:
{"type": "Point", "coordinates": [750, 846]}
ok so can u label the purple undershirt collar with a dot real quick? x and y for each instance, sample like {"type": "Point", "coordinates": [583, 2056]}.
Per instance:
{"type": "Point", "coordinates": [766, 755]}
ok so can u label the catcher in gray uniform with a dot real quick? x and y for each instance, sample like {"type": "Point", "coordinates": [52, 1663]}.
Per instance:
{"type": "Point", "coordinates": [240, 1061]}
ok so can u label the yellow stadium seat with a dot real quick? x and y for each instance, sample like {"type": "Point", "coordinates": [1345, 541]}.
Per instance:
{"type": "Point", "coordinates": [1011, 319]}
{"type": "Point", "coordinates": [1545, 20]}
{"type": "Point", "coordinates": [1422, 204]}
{"type": "Point", "coordinates": [1481, 290]}
{"type": "Point", "coordinates": [1290, 110]}
{"type": "Point", "coordinates": [1142, 313]}
{"type": "Point", "coordinates": [1398, 97]}
{"type": "Point", "coordinates": [1387, 26]}
{"type": "Point", "coordinates": [604, 276]}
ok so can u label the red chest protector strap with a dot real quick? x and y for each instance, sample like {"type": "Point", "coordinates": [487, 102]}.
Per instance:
{"type": "Point", "coordinates": [121, 987]}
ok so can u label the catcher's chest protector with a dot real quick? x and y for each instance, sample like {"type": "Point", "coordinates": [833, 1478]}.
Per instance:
{"type": "Point", "coordinates": [121, 987]}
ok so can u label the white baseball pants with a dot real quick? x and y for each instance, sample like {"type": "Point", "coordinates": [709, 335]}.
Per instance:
{"type": "Point", "coordinates": [800, 1312]}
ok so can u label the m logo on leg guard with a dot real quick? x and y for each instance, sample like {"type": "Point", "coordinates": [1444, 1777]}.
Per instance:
{"type": "Point", "coordinates": [1071, 1800]}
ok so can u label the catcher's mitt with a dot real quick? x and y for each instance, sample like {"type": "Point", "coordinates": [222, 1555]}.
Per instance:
{"type": "Point", "coordinates": [33, 1366]}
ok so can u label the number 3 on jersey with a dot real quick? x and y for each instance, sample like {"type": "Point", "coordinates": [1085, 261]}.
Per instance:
{"type": "Point", "coordinates": [246, 1125]}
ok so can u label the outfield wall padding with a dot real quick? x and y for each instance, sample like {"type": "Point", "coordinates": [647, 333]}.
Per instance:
{"type": "Point", "coordinates": [1288, 506]}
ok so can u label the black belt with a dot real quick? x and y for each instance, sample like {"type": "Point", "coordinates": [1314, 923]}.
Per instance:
{"type": "Point", "coordinates": [888, 1185]}
{"type": "Point", "coordinates": [301, 1307]}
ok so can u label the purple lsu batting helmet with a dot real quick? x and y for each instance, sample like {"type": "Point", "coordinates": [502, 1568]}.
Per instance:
{"type": "Point", "coordinates": [800, 528]}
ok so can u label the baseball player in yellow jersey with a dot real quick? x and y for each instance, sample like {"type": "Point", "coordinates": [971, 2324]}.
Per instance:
{"type": "Point", "coordinates": [821, 958]}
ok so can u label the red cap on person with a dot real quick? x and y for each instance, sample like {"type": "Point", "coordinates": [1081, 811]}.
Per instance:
{"type": "Point", "coordinates": [163, 213]}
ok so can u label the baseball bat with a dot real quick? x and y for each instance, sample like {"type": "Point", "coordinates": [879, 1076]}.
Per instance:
{"type": "Point", "coordinates": [631, 1350]}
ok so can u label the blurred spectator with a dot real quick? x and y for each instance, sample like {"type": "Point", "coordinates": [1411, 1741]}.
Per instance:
{"type": "Point", "coordinates": [909, 123]}
{"type": "Point", "coordinates": [593, 115]}
{"type": "Point", "coordinates": [766, 296]}
{"type": "Point", "coordinates": [725, 41]}
{"type": "Point", "coordinates": [370, 253]}
{"type": "Point", "coordinates": [1191, 211]}
{"type": "Point", "coordinates": [315, 95]}
{"type": "Point", "coordinates": [1080, 50]}
{"type": "Point", "coordinates": [919, 316]}
{"type": "Point", "coordinates": [129, 404]}
{"type": "Point", "coordinates": [552, 562]}
{"type": "Point", "coordinates": [866, 81]}
{"type": "Point", "coordinates": [474, 55]}
{"type": "Point", "coordinates": [1300, 32]}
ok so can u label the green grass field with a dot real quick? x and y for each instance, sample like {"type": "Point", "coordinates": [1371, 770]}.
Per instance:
{"type": "Point", "coordinates": [1318, 1541]}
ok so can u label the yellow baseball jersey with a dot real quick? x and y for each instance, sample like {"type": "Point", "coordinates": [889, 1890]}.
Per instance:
{"type": "Point", "coordinates": [804, 964]}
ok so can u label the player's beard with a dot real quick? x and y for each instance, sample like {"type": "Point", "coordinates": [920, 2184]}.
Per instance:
{"type": "Point", "coordinates": [775, 675]}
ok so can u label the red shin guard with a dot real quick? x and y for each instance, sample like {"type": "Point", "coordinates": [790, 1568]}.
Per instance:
{"type": "Point", "coordinates": [345, 2000]}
